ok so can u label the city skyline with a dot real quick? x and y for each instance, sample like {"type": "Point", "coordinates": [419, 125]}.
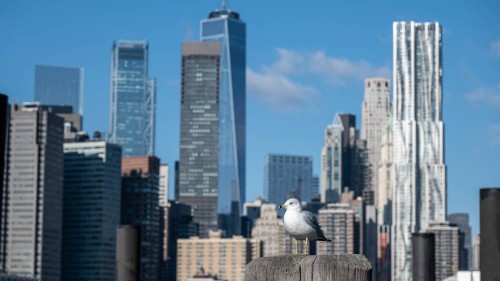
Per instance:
{"type": "Point", "coordinates": [278, 121]}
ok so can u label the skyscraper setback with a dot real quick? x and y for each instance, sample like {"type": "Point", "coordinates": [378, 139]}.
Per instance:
{"type": "Point", "coordinates": [419, 187]}
{"type": "Point", "coordinates": [132, 99]}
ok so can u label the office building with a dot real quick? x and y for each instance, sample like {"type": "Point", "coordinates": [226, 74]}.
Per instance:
{"type": "Point", "coordinates": [465, 239]}
{"type": "Point", "coordinates": [163, 191]}
{"type": "Point", "coordinates": [11, 277]}
{"type": "Point", "coordinates": [199, 145]}
{"type": "Point", "coordinates": [343, 160]}
{"type": "Point", "coordinates": [4, 117]}
{"type": "Point", "coordinates": [226, 28]}
{"type": "Point", "coordinates": [251, 212]}
{"type": "Point", "coordinates": [384, 253]}
{"type": "Point", "coordinates": [31, 245]}
{"type": "Point", "coordinates": [91, 209]}
{"type": "Point", "coordinates": [270, 229]}
{"type": "Point", "coordinates": [418, 138]}
{"type": "Point", "coordinates": [337, 221]}
{"type": "Point", "coordinates": [489, 216]}
{"type": "Point", "coordinates": [180, 226]}
{"type": "Point", "coordinates": [224, 257]}
{"type": "Point", "coordinates": [132, 99]}
{"type": "Point", "coordinates": [139, 206]}
{"type": "Point", "coordinates": [446, 249]}
{"type": "Point", "coordinates": [288, 176]}
{"type": "Point", "coordinates": [476, 255]}
{"type": "Point", "coordinates": [56, 85]}
{"type": "Point", "coordinates": [375, 113]}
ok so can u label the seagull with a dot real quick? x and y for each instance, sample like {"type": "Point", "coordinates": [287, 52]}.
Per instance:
{"type": "Point", "coordinates": [301, 225]}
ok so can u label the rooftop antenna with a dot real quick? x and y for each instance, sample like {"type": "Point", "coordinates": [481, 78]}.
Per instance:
{"type": "Point", "coordinates": [223, 5]}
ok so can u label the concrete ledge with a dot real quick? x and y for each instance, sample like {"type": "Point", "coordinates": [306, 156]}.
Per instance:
{"type": "Point", "coordinates": [309, 268]}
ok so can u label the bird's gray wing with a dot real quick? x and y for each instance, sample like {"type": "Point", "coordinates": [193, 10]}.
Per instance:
{"type": "Point", "coordinates": [311, 220]}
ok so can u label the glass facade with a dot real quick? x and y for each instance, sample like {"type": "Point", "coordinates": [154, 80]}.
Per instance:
{"type": "Point", "coordinates": [226, 28]}
{"type": "Point", "coordinates": [91, 214]}
{"type": "Point", "coordinates": [133, 94]}
{"type": "Point", "coordinates": [288, 176]}
{"type": "Point", "coordinates": [59, 86]}
{"type": "Point", "coordinates": [419, 186]}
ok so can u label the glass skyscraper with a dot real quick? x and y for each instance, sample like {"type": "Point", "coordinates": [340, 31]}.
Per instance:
{"type": "Point", "coordinates": [419, 184]}
{"type": "Point", "coordinates": [288, 176]}
{"type": "Point", "coordinates": [133, 94]}
{"type": "Point", "coordinates": [226, 27]}
{"type": "Point", "coordinates": [59, 86]}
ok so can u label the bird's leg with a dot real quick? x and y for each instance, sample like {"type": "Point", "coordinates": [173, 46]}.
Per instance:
{"type": "Point", "coordinates": [296, 247]}
{"type": "Point", "coordinates": [306, 248]}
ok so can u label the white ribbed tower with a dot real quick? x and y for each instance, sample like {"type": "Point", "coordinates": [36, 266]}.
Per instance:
{"type": "Point", "coordinates": [419, 186]}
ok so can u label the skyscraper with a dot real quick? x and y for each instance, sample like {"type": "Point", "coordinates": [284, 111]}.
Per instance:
{"type": "Point", "coordinates": [465, 239]}
{"type": "Point", "coordinates": [288, 176]}
{"type": "Point", "coordinates": [374, 116]}
{"type": "Point", "coordinates": [270, 229]}
{"type": "Point", "coordinates": [446, 249]}
{"type": "Point", "coordinates": [337, 221]}
{"type": "Point", "coordinates": [489, 244]}
{"type": "Point", "coordinates": [163, 192]}
{"type": "Point", "coordinates": [419, 187]}
{"type": "Point", "coordinates": [56, 85]}
{"type": "Point", "coordinates": [139, 206]}
{"type": "Point", "coordinates": [91, 213]}
{"type": "Point", "coordinates": [199, 144]}
{"type": "Point", "coordinates": [343, 159]}
{"type": "Point", "coordinates": [226, 27]}
{"type": "Point", "coordinates": [34, 193]}
{"type": "Point", "coordinates": [132, 99]}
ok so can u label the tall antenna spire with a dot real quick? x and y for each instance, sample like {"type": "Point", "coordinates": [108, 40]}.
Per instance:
{"type": "Point", "coordinates": [223, 5]}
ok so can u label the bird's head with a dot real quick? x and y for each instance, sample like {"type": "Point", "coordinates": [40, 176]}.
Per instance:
{"type": "Point", "coordinates": [292, 204]}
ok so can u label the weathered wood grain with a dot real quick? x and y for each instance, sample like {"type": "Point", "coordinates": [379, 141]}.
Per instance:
{"type": "Point", "coordinates": [309, 268]}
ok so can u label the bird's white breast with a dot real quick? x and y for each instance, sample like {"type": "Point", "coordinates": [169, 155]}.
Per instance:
{"type": "Point", "coordinates": [296, 225]}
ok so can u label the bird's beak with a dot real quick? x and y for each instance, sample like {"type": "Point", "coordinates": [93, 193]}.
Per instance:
{"type": "Point", "coordinates": [283, 206]}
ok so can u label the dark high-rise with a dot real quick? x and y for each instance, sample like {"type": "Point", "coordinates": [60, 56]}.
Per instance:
{"type": "Point", "coordinates": [489, 216]}
{"type": "Point", "coordinates": [199, 144]}
{"type": "Point", "coordinates": [139, 206]}
{"type": "Point", "coordinates": [91, 210]}
{"type": "Point", "coordinates": [56, 85]}
{"type": "Point", "coordinates": [465, 239]}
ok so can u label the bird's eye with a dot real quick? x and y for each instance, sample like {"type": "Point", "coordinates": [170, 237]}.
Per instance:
{"type": "Point", "coordinates": [291, 203]}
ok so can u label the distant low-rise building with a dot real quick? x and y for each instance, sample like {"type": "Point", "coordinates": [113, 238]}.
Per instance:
{"type": "Point", "coordinates": [270, 229]}
{"type": "Point", "coordinates": [224, 257]}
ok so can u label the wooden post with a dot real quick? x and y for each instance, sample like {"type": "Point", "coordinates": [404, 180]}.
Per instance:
{"type": "Point", "coordinates": [309, 268]}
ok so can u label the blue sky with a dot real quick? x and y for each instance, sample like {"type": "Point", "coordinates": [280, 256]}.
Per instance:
{"type": "Point", "coordinates": [306, 61]}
